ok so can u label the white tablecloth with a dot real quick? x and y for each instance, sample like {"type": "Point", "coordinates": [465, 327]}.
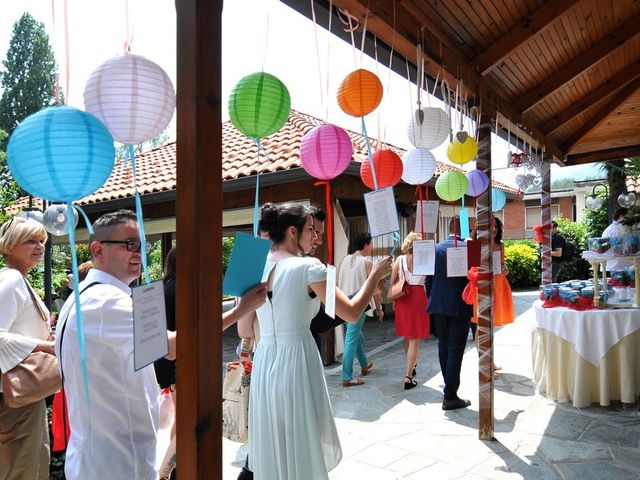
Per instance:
{"type": "Point", "coordinates": [565, 375]}
{"type": "Point", "coordinates": [592, 332]}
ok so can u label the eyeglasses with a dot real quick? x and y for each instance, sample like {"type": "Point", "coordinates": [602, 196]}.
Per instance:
{"type": "Point", "coordinates": [132, 245]}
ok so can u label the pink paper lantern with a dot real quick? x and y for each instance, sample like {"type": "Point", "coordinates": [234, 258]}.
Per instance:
{"type": "Point", "coordinates": [478, 182]}
{"type": "Point", "coordinates": [325, 151]}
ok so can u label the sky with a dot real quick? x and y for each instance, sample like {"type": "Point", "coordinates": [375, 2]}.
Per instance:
{"type": "Point", "coordinates": [273, 37]}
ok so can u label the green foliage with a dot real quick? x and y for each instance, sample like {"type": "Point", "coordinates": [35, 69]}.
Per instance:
{"type": "Point", "coordinates": [526, 241]}
{"type": "Point", "coordinates": [28, 84]}
{"type": "Point", "coordinates": [227, 247]}
{"type": "Point", "coordinates": [596, 222]}
{"type": "Point", "coordinates": [578, 234]}
{"type": "Point", "coordinates": [522, 260]}
{"type": "Point", "coordinates": [155, 261]}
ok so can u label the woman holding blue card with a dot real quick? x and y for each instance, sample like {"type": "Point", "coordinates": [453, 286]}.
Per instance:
{"type": "Point", "coordinates": [293, 433]}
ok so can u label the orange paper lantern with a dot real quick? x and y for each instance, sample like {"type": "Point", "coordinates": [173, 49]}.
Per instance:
{"type": "Point", "coordinates": [359, 93]}
{"type": "Point", "coordinates": [388, 166]}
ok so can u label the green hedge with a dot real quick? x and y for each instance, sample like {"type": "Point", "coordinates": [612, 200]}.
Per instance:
{"type": "Point", "coordinates": [522, 260]}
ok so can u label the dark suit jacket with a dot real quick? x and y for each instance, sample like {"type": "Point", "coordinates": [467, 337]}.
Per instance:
{"type": "Point", "coordinates": [446, 293]}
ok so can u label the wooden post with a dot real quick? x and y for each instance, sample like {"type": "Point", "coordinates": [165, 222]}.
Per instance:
{"type": "Point", "coordinates": [199, 233]}
{"type": "Point", "coordinates": [545, 218]}
{"type": "Point", "coordinates": [485, 289]}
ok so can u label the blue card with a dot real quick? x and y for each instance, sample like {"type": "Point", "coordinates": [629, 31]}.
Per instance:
{"type": "Point", "coordinates": [246, 264]}
{"type": "Point", "coordinates": [464, 223]}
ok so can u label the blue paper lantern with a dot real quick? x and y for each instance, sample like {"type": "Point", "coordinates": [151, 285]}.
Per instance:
{"type": "Point", "coordinates": [498, 199]}
{"type": "Point", "coordinates": [61, 154]}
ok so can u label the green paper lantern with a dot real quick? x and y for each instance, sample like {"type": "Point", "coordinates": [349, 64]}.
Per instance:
{"type": "Point", "coordinates": [259, 105]}
{"type": "Point", "coordinates": [452, 185]}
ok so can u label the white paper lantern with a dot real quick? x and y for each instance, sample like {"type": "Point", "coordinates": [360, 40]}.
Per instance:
{"type": "Point", "coordinates": [418, 166]}
{"type": "Point", "coordinates": [133, 96]}
{"type": "Point", "coordinates": [429, 128]}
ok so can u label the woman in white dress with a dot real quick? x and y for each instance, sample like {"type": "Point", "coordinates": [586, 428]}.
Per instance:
{"type": "Point", "coordinates": [292, 433]}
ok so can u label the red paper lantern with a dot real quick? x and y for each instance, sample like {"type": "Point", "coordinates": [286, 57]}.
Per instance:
{"type": "Point", "coordinates": [388, 166]}
{"type": "Point", "coordinates": [360, 93]}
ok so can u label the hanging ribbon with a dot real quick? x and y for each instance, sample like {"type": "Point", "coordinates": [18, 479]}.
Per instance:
{"type": "Point", "coordinates": [143, 239]}
{"type": "Point", "coordinates": [396, 243]}
{"type": "Point", "coordinates": [256, 203]}
{"type": "Point", "coordinates": [76, 293]}
{"type": "Point", "coordinates": [539, 230]}
{"type": "Point", "coordinates": [470, 292]}
{"type": "Point", "coordinates": [455, 228]}
{"type": "Point", "coordinates": [373, 168]}
{"type": "Point", "coordinates": [420, 210]}
{"type": "Point", "coordinates": [329, 222]}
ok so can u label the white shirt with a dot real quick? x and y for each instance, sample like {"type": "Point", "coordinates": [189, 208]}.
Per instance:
{"type": "Point", "coordinates": [114, 437]}
{"type": "Point", "coordinates": [616, 229]}
{"type": "Point", "coordinates": [21, 323]}
{"type": "Point", "coordinates": [353, 275]}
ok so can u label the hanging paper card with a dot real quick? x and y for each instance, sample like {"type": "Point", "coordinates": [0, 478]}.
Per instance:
{"type": "Point", "coordinates": [149, 324]}
{"type": "Point", "coordinates": [330, 299]}
{"type": "Point", "coordinates": [464, 223]}
{"type": "Point", "coordinates": [246, 264]}
{"type": "Point", "coordinates": [457, 262]}
{"type": "Point", "coordinates": [424, 257]}
{"type": "Point", "coordinates": [381, 212]}
{"type": "Point", "coordinates": [427, 215]}
{"type": "Point", "coordinates": [473, 253]}
{"type": "Point", "coordinates": [496, 258]}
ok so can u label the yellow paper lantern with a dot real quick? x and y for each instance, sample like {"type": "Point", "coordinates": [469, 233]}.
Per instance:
{"type": "Point", "coordinates": [463, 149]}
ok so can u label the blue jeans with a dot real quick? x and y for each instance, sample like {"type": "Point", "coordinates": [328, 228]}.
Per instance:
{"type": "Point", "coordinates": [353, 346]}
{"type": "Point", "coordinates": [452, 339]}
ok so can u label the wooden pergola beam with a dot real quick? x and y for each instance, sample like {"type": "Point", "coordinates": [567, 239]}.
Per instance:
{"type": "Point", "coordinates": [584, 62]}
{"type": "Point", "coordinates": [441, 59]}
{"type": "Point", "coordinates": [622, 94]}
{"type": "Point", "coordinates": [606, 89]}
{"type": "Point", "coordinates": [520, 34]}
{"type": "Point", "coordinates": [418, 11]}
{"type": "Point", "coordinates": [604, 155]}
{"type": "Point", "coordinates": [199, 229]}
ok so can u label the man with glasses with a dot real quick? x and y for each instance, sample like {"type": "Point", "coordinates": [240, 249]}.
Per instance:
{"type": "Point", "coordinates": [114, 430]}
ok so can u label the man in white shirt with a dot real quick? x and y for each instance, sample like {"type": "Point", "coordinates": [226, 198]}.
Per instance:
{"type": "Point", "coordinates": [113, 433]}
{"type": "Point", "coordinates": [617, 229]}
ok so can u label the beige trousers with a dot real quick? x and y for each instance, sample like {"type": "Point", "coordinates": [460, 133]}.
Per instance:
{"type": "Point", "coordinates": [24, 442]}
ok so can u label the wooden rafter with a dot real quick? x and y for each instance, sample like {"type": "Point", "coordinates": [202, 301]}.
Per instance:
{"type": "Point", "coordinates": [584, 62]}
{"type": "Point", "coordinates": [520, 34]}
{"type": "Point", "coordinates": [610, 107]}
{"type": "Point", "coordinates": [604, 90]}
{"type": "Point", "coordinates": [440, 56]}
{"type": "Point", "coordinates": [603, 155]}
{"type": "Point", "coordinates": [418, 11]}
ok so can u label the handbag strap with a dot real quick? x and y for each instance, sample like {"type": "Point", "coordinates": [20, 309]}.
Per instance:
{"type": "Point", "coordinates": [35, 301]}
{"type": "Point", "coordinates": [63, 329]}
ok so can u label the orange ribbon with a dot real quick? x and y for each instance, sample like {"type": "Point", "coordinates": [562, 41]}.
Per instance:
{"type": "Point", "coordinates": [470, 292]}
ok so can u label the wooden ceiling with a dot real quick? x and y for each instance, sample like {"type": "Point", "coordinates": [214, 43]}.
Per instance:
{"type": "Point", "coordinates": [567, 72]}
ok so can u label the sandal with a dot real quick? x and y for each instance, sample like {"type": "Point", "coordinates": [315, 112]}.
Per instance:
{"type": "Point", "coordinates": [412, 383]}
{"type": "Point", "coordinates": [365, 370]}
{"type": "Point", "coordinates": [353, 382]}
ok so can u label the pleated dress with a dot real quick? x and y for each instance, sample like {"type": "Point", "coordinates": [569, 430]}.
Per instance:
{"type": "Point", "coordinates": [292, 432]}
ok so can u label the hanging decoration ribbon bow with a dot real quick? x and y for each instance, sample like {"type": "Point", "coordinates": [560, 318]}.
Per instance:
{"type": "Point", "coordinates": [539, 231]}
{"type": "Point", "coordinates": [470, 292]}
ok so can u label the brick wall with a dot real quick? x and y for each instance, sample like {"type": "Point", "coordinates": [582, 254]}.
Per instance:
{"type": "Point", "coordinates": [514, 220]}
{"type": "Point", "coordinates": [566, 207]}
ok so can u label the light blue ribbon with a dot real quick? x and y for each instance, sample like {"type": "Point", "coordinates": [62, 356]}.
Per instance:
{"type": "Point", "coordinates": [373, 168]}
{"type": "Point", "coordinates": [143, 239]}
{"type": "Point", "coordinates": [256, 205]}
{"type": "Point", "coordinates": [76, 295]}
{"type": "Point", "coordinates": [396, 243]}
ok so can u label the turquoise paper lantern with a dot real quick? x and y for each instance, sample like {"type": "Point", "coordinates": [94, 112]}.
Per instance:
{"type": "Point", "coordinates": [498, 200]}
{"type": "Point", "coordinates": [259, 105]}
{"type": "Point", "coordinates": [61, 154]}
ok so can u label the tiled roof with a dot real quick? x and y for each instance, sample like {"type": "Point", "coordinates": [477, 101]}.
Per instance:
{"type": "Point", "coordinates": [156, 169]}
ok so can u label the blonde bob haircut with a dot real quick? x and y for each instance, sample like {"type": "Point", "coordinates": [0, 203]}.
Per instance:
{"type": "Point", "coordinates": [407, 243]}
{"type": "Point", "coordinates": [19, 230]}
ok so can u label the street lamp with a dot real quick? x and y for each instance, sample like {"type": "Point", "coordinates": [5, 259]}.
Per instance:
{"type": "Point", "coordinates": [594, 202]}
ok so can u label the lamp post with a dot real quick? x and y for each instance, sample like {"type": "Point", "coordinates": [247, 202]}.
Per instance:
{"type": "Point", "coordinates": [594, 202]}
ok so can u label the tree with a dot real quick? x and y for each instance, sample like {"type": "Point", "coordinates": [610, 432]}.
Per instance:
{"type": "Point", "coordinates": [28, 82]}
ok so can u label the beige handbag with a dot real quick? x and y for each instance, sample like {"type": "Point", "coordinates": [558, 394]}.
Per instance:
{"type": "Point", "coordinates": [235, 401]}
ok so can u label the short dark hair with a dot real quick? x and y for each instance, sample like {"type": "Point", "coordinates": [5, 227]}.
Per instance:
{"type": "Point", "coordinates": [361, 240]}
{"type": "Point", "coordinates": [555, 224]}
{"type": "Point", "coordinates": [104, 226]}
{"type": "Point", "coordinates": [454, 225]}
{"type": "Point", "coordinates": [621, 212]}
{"type": "Point", "coordinates": [499, 230]}
{"type": "Point", "coordinates": [170, 265]}
{"type": "Point", "coordinates": [317, 213]}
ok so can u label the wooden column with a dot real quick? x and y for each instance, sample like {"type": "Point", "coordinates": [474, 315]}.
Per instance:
{"type": "Point", "coordinates": [199, 230]}
{"type": "Point", "coordinates": [545, 215]}
{"type": "Point", "coordinates": [485, 289]}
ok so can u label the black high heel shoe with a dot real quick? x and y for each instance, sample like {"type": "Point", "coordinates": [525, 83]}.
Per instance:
{"type": "Point", "coordinates": [412, 383]}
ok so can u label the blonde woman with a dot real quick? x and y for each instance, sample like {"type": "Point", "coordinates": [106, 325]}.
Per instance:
{"type": "Point", "coordinates": [411, 317]}
{"type": "Point", "coordinates": [24, 328]}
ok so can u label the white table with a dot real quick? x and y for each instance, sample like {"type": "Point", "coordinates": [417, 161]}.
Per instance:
{"type": "Point", "coordinates": [586, 357]}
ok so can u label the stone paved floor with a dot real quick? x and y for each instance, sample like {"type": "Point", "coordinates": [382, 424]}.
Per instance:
{"type": "Point", "coordinates": [389, 433]}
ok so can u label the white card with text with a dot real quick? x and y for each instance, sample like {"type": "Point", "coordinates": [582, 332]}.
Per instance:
{"type": "Point", "coordinates": [381, 212]}
{"type": "Point", "coordinates": [424, 257]}
{"type": "Point", "coordinates": [457, 262]}
{"type": "Point", "coordinates": [150, 340]}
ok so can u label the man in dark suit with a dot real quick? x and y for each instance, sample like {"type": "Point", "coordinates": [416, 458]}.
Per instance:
{"type": "Point", "coordinates": [452, 317]}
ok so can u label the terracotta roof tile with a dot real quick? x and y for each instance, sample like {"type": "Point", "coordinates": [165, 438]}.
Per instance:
{"type": "Point", "coordinates": [156, 168]}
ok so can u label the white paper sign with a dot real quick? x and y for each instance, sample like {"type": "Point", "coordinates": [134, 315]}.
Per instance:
{"type": "Point", "coordinates": [381, 212]}
{"type": "Point", "coordinates": [150, 340]}
{"type": "Point", "coordinates": [424, 257]}
{"type": "Point", "coordinates": [496, 259]}
{"type": "Point", "coordinates": [457, 262]}
{"type": "Point", "coordinates": [427, 215]}
{"type": "Point", "coordinates": [330, 300]}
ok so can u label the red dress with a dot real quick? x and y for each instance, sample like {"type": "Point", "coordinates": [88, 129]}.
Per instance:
{"type": "Point", "coordinates": [411, 317]}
